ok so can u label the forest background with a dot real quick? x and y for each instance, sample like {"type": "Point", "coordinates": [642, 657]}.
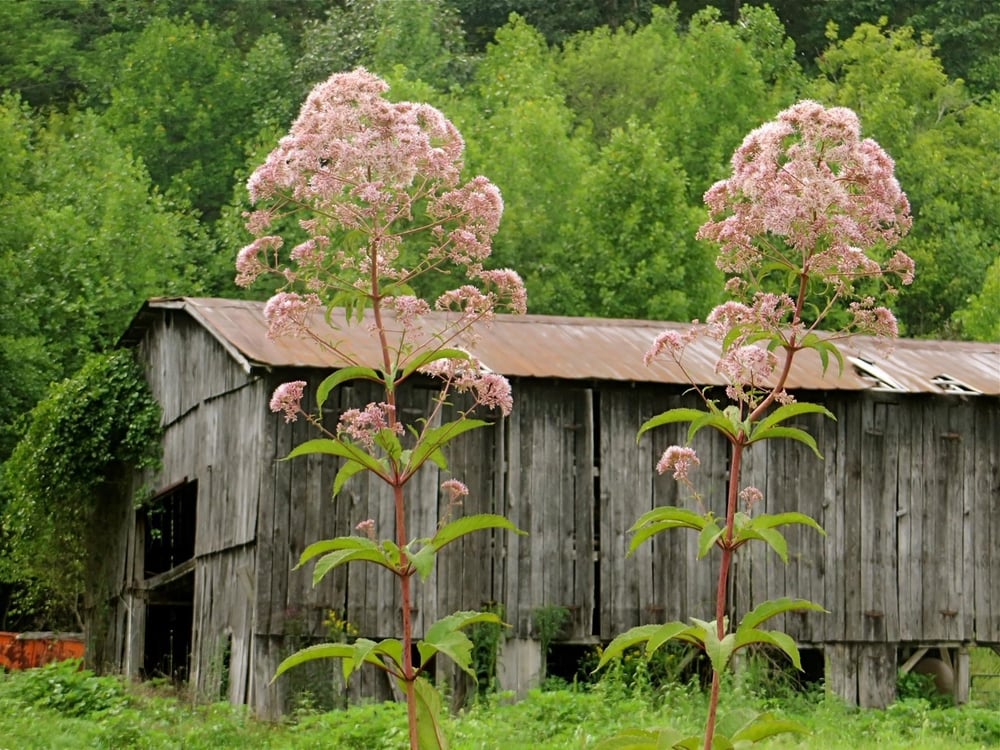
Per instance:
{"type": "Point", "coordinates": [129, 128]}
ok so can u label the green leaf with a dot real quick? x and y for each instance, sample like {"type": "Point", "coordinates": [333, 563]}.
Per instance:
{"type": "Point", "coordinates": [445, 636]}
{"type": "Point", "coordinates": [660, 519]}
{"type": "Point", "coordinates": [388, 441]}
{"type": "Point", "coordinates": [339, 448]}
{"type": "Point", "coordinates": [430, 735]}
{"type": "Point", "coordinates": [788, 411]}
{"type": "Point", "coordinates": [311, 653]}
{"type": "Point", "coordinates": [766, 610]}
{"type": "Point", "coordinates": [667, 632]}
{"type": "Point", "coordinates": [427, 357]}
{"type": "Point", "coordinates": [392, 648]}
{"type": "Point", "coordinates": [769, 521]}
{"type": "Point", "coordinates": [337, 543]}
{"type": "Point", "coordinates": [669, 417]}
{"type": "Point", "coordinates": [720, 422]}
{"type": "Point", "coordinates": [627, 640]}
{"type": "Point", "coordinates": [341, 557]}
{"type": "Point", "coordinates": [719, 652]}
{"type": "Point", "coordinates": [430, 442]}
{"type": "Point", "coordinates": [342, 376]}
{"type": "Point", "coordinates": [348, 470]}
{"type": "Point", "coordinates": [766, 725]}
{"type": "Point", "coordinates": [422, 560]}
{"type": "Point", "coordinates": [793, 433]}
{"type": "Point", "coordinates": [773, 538]}
{"type": "Point", "coordinates": [785, 642]}
{"type": "Point", "coordinates": [642, 739]}
{"type": "Point", "coordinates": [467, 524]}
{"type": "Point", "coordinates": [708, 537]}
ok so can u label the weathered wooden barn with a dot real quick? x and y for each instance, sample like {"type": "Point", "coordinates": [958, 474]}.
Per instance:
{"type": "Point", "coordinates": [201, 581]}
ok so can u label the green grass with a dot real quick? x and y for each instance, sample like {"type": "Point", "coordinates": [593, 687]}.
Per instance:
{"type": "Point", "coordinates": [59, 707]}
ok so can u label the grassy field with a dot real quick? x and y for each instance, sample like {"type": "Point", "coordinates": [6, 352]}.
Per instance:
{"type": "Point", "coordinates": [60, 707]}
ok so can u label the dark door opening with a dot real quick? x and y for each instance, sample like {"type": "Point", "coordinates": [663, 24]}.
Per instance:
{"type": "Point", "coordinates": [168, 568]}
{"type": "Point", "coordinates": [169, 621]}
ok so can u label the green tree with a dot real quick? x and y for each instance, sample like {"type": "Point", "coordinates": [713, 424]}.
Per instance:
{"type": "Point", "coordinates": [980, 318]}
{"type": "Point", "coordinates": [423, 36]}
{"type": "Point", "coordinates": [86, 433]}
{"type": "Point", "coordinates": [83, 242]}
{"type": "Point", "coordinates": [182, 104]}
{"type": "Point", "coordinates": [944, 144]}
{"type": "Point", "coordinates": [520, 132]}
{"type": "Point", "coordinates": [631, 237]}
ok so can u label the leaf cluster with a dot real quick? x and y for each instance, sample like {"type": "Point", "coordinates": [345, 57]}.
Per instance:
{"type": "Point", "coordinates": [85, 433]}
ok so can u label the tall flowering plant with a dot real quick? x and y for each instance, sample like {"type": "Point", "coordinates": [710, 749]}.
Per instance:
{"type": "Point", "coordinates": [806, 223]}
{"type": "Point", "coordinates": [377, 192]}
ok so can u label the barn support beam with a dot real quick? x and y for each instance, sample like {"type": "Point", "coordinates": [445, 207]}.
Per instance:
{"type": "Point", "coordinates": [862, 674]}
{"type": "Point", "coordinates": [519, 665]}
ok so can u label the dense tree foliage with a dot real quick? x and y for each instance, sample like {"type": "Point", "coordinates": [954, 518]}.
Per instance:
{"type": "Point", "coordinates": [129, 129]}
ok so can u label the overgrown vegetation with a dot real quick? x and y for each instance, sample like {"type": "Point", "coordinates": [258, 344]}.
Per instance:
{"type": "Point", "coordinates": [60, 706]}
{"type": "Point", "coordinates": [65, 474]}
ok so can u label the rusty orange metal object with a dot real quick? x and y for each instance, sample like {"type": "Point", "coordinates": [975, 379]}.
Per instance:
{"type": "Point", "coordinates": [540, 346]}
{"type": "Point", "coordinates": [29, 650]}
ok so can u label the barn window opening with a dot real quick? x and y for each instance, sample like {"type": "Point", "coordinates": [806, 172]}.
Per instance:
{"type": "Point", "coordinates": [948, 384]}
{"type": "Point", "coordinates": [878, 379]}
{"type": "Point", "coordinates": [167, 534]}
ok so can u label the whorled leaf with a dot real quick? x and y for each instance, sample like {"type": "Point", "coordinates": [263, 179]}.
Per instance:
{"type": "Point", "coordinates": [342, 376]}
{"type": "Point", "coordinates": [425, 358]}
{"type": "Point", "coordinates": [334, 447]}
{"type": "Point", "coordinates": [670, 417]}
{"type": "Point", "coordinates": [445, 636]}
{"type": "Point", "coordinates": [430, 735]}
{"type": "Point", "coordinates": [657, 520]}
{"type": "Point", "coordinates": [433, 439]}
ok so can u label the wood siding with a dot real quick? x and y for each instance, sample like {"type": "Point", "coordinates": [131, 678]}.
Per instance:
{"type": "Point", "coordinates": [908, 492]}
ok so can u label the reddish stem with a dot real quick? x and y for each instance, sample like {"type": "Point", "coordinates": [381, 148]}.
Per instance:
{"type": "Point", "coordinates": [720, 593]}
{"type": "Point", "coordinates": [404, 585]}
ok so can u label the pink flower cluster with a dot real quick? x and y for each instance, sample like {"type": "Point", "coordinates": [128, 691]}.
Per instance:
{"type": "Point", "coordinates": [454, 489]}
{"type": "Point", "coordinates": [348, 140]}
{"type": "Point", "coordinates": [367, 527]}
{"type": "Point", "coordinates": [364, 425]}
{"type": "Point", "coordinates": [808, 187]}
{"type": "Point", "coordinates": [287, 313]}
{"type": "Point", "coordinates": [672, 342]}
{"type": "Point", "coordinates": [678, 459]}
{"type": "Point", "coordinates": [364, 164]}
{"type": "Point", "coordinates": [469, 376]}
{"type": "Point", "coordinates": [287, 398]}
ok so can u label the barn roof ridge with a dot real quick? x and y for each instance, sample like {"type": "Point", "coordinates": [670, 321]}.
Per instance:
{"type": "Point", "coordinates": [576, 348]}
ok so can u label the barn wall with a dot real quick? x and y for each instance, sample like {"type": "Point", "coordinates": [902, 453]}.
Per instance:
{"type": "Point", "coordinates": [907, 493]}
{"type": "Point", "coordinates": [213, 435]}
{"type": "Point", "coordinates": [908, 496]}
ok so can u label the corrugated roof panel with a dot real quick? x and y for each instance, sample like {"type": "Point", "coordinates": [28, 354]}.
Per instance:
{"type": "Point", "coordinates": [541, 346]}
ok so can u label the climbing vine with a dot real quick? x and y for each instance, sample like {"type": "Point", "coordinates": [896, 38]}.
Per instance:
{"type": "Point", "coordinates": [79, 443]}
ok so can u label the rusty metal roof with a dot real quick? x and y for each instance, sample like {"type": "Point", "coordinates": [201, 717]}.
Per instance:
{"type": "Point", "coordinates": [541, 346]}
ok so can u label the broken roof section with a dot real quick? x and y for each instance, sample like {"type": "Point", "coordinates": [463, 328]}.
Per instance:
{"type": "Point", "coordinates": [542, 346]}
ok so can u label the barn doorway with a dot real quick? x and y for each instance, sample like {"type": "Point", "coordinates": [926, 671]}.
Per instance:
{"type": "Point", "coordinates": [168, 539]}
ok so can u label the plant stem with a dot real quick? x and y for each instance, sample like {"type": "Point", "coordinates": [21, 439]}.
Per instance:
{"type": "Point", "coordinates": [720, 593]}
{"type": "Point", "coordinates": [404, 585]}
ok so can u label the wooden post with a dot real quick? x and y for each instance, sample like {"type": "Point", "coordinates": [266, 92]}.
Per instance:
{"type": "Point", "coordinates": [519, 666]}
{"type": "Point", "coordinates": [962, 676]}
{"type": "Point", "coordinates": [862, 674]}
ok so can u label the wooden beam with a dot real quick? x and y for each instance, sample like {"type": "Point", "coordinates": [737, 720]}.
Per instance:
{"type": "Point", "coordinates": [914, 658]}
{"type": "Point", "coordinates": [161, 579]}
